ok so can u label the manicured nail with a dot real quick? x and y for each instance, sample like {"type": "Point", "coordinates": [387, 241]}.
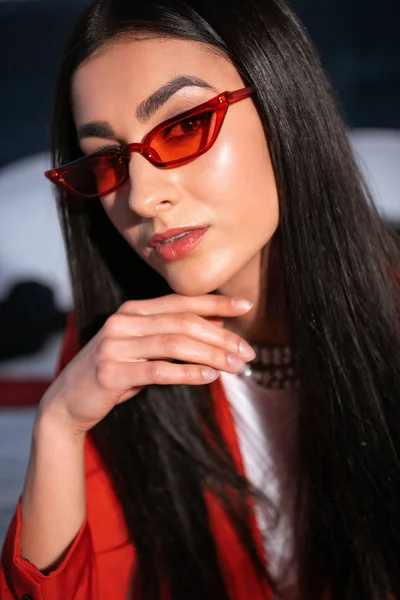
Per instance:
{"type": "Point", "coordinates": [246, 351]}
{"type": "Point", "coordinates": [242, 303]}
{"type": "Point", "coordinates": [209, 374]}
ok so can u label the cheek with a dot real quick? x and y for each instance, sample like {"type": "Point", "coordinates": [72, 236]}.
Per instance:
{"type": "Point", "coordinates": [239, 182]}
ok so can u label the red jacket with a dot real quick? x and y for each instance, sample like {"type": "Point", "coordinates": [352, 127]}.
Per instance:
{"type": "Point", "coordinates": [99, 564]}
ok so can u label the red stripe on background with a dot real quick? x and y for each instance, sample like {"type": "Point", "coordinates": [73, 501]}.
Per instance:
{"type": "Point", "coordinates": [27, 392]}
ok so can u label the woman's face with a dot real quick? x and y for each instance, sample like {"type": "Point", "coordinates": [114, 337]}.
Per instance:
{"type": "Point", "coordinates": [230, 190]}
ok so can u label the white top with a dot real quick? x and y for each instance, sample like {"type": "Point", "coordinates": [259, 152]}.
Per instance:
{"type": "Point", "coordinates": [265, 421]}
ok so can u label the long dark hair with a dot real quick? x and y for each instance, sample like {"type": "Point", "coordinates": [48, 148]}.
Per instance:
{"type": "Point", "coordinates": [337, 267]}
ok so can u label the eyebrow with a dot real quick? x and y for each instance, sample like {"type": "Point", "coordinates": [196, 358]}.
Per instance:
{"type": "Point", "coordinates": [147, 107]}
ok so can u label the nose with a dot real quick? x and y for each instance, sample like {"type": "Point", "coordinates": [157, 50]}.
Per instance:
{"type": "Point", "coordinates": [151, 190]}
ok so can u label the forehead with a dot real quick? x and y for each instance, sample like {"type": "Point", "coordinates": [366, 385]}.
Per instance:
{"type": "Point", "coordinates": [127, 71]}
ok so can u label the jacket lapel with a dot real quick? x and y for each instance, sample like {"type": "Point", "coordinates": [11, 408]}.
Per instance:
{"type": "Point", "coordinates": [241, 579]}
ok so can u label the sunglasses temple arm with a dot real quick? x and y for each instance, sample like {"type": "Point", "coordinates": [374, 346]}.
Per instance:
{"type": "Point", "coordinates": [240, 94]}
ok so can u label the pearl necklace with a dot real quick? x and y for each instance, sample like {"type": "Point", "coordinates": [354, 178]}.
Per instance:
{"type": "Point", "coordinates": [273, 367]}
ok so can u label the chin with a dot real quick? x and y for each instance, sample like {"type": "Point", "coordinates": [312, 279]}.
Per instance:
{"type": "Point", "coordinates": [190, 288]}
{"type": "Point", "coordinates": [200, 276]}
{"type": "Point", "coordinates": [193, 283]}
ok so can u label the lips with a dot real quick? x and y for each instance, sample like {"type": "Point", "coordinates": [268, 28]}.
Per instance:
{"type": "Point", "coordinates": [171, 235]}
{"type": "Point", "coordinates": [176, 243]}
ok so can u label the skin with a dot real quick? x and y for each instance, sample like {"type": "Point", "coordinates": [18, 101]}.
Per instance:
{"type": "Point", "coordinates": [231, 187]}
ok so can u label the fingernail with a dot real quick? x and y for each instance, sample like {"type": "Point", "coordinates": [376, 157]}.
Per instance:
{"type": "Point", "coordinates": [235, 362]}
{"type": "Point", "coordinates": [246, 351]}
{"type": "Point", "coordinates": [209, 374]}
{"type": "Point", "coordinates": [242, 303]}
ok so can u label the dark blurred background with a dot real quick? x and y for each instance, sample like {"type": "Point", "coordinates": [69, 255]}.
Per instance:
{"type": "Point", "coordinates": [358, 40]}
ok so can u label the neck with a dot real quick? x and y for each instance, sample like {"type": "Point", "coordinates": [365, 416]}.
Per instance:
{"type": "Point", "coordinates": [268, 320]}
{"type": "Point", "coordinates": [256, 327]}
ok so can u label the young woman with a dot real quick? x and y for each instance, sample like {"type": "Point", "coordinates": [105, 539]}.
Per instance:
{"type": "Point", "coordinates": [228, 424]}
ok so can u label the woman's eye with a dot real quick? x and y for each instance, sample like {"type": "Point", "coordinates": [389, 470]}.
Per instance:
{"type": "Point", "coordinates": [190, 126]}
{"type": "Point", "coordinates": [185, 128]}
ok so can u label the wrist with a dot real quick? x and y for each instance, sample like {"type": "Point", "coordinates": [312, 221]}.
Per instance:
{"type": "Point", "coordinates": [51, 422]}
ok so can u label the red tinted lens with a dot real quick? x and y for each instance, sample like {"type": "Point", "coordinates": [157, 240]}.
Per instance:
{"type": "Point", "coordinates": [95, 176]}
{"type": "Point", "coordinates": [186, 137]}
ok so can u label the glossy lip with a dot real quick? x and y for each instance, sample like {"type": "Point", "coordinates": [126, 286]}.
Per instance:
{"type": "Point", "coordinates": [158, 238]}
{"type": "Point", "coordinates": [175, 250]}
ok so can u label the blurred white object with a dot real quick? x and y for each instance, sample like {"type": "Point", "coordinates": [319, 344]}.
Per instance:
{"type": "Point", "coordinates": [31, 245]}
{"type": "Point", "coordinates": [378, 151]}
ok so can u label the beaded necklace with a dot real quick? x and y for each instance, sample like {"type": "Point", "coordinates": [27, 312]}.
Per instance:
{"type": "Point", "coordinates": [273, 367]}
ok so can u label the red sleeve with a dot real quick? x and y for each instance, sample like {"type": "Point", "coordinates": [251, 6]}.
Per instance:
{"type": "Point", "coordinates": [75, 577]}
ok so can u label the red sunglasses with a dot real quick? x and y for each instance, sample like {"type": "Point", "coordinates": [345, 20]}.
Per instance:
{"type": "Point", "coordinates": [172, 143]}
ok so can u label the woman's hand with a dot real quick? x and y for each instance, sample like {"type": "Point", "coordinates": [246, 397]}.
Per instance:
{"type": "Point", "coordinates": [136, 347]}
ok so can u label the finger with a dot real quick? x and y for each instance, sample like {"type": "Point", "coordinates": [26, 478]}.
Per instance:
{"type": "Point", "coordinates": [134, 375]}
{"type": "Point", "coordinates": [214, 305]}
{"type": "Point", "coordinates": [123, 326]}
{"type": "Point", "coordinates": [171, 347]}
